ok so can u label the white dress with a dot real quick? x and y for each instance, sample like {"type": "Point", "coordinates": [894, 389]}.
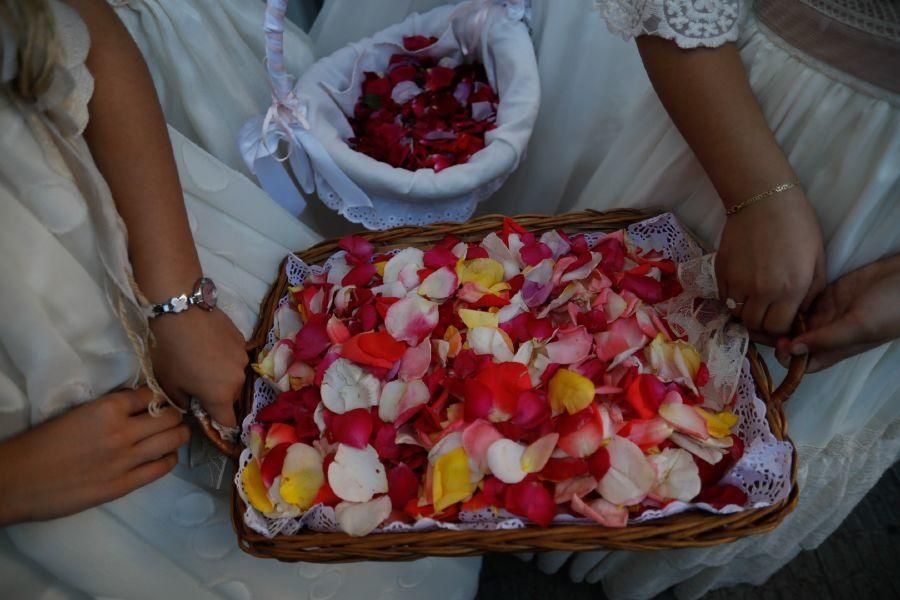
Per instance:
{"type": "Point", "coordinates": [603, 140]}
{"type": "Point", "coordinates": [206, 60]}
{"type": "Point", "coordinates": [65, 345]}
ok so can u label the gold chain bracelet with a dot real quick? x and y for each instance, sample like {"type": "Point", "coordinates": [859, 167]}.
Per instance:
{"type": "Point", "coordinates": [754, 199]}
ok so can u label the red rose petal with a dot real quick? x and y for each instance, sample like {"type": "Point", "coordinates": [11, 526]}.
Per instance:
{"type": "Point", "coordinates": [598, 463]}
{"type": "Point", "coordinates": [272, 463]}
{"type": "Point", "coordinates": [353, 428]}
{"type": "Point", "coordinates": [561, 469]}
{"type": "Point", "coordinates": [403, 485]}
{"type": "Point", "coordinates": [359, 275]}
{"type": "Point", "coordinates": [417, 42]}
{"type": "Point", "coordinates": [357, 247]}
{"type": "Point", "coordinates": [477, 399]}
{"type": "Point", "coordinates": [531, 499]}
{"type": "Point", "coordinates": [644, 395]}
{"type": "Point", "coordinates": [720, 496]}
{"type": "Point", "coordinates": [312, 339]}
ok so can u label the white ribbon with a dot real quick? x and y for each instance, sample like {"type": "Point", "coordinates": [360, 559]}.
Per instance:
{"type": "Point", "coordinates": [285, 126]}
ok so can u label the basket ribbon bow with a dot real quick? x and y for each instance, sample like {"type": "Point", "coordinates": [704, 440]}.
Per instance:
{"type": "Point", "coordinates": [283, 134]}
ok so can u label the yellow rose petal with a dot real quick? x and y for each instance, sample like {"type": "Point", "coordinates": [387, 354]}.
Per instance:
{"type": "Point", "coordinates": [568, 391]}
{"type": "Point", "coordinates": [451, 480]}
{"type": "Point", "coordinates": [255, 488]}
{"type": "Point", "coordinates": [301, 489]}
{"type": "Point", "coordinates": [478, 318]}
{"type": "Point", "coordinates": [482, 271]}
{"type": "Point", "coordinates": [719, 425]}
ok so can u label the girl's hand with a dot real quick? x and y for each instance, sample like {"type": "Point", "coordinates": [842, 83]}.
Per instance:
{"type": "Point", "coordinates": [92, 454]}
{"type": "Point", "coordinates": [771, 262]}
{"type": "Point", "coordinates": [856, 313]}
{"type": "Point", "coordinates": [200, 354]}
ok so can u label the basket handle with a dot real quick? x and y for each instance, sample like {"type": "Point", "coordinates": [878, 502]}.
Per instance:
{"type": "Point", "coordinates": [273, 25]}
{"type": "Point", "coordinates": [796, 368]}
{"type": "Point", "coordinates": [795, 372]}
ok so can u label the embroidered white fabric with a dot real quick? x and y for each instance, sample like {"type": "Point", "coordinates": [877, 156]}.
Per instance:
{"type": "Point", "coordinates": [689, 23]}
{"type": "Point", "coordinates": [763, 472]}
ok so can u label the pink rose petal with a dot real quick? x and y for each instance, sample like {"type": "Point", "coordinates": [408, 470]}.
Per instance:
{"type": "Point", "coordinates": [601, 511]}
{"type": "Point", "coordinates": [476, 439]}
{"type": "Point", "coordinates": [411, 319]}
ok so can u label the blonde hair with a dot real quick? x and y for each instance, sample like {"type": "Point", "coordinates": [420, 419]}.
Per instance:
{"type": "Point", "coordinates": [33, 24]}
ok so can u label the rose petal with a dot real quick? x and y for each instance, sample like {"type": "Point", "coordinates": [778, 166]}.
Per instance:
{"type": "Point", "coordinates": [357, 475]}
{"type": "Point", "coordinates": [416, 361]}
{"type": "Point", "coordinates": [440, 285]}
{"type": "Point", "coordinates": [577, 486]}
{"type": "Point", "coordinates": [630, 475]}
{"type": "Point", "coordinates": [647, 433]}
{"type": "Point", "coordinates": [405, 91]}
{"type": "Point", "coordinates": [570, 392]}
{"type": "Point", "coordinates": [718, 425]}
{"type": "Point", "coordinates": [677, 477]}
{"type": "Point", "coordinates": [271, 463]}
{"type": "Point", "coordinates": [582, 434]}
{"type": "Point", "coordinates": [571, 346]}
{"type": "Point", "coordinates": [623, 339]}
{"type": "Point", "coordinates": [287, 321]}
{"type": "Point", "coordinates": [280, 433]}
{"type": "Point", "coordinates": [685, 418]}
{"type": "Point", "coordinates": [411, 319]}
{"type": "Point", "coordinates": [476, 439]}
{"type": "Point", "coordinates": [601, 511]}
{"type": "Point", "coordinates": [301, 476]}
{"type": "Point", "coordinates": [353, 428]}
{"type": "Point", "coordinates": [532, 500]}
{"type": "Point", "coordinates": [403, 485]}
{"type": "Point", "coordinates": [346, 386]}
{"type": "Point", "coordinates": [538, 453]}
{"type": "Point", "coordinates": [359, 519]}
{"type": "Point", "coordinates": [404, 267]}
{"type": "Point", "coordinates": [400, 397]}
{"type": "Point", "coordinates": [492, 341]}
{"type": "Point", "coordinates": [482, 271]}
{"type": "Point", "coordinates": [504, 459]}
{"type": "Point", "coordinates": [255, 489]}
{"type": "Point", "coordinates": [451, 479]}
{"type": "Point", "coordinates": [478, 318]}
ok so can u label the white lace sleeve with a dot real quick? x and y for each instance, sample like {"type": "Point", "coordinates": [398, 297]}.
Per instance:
{"type": "Point", "coordinates": [689, 23]}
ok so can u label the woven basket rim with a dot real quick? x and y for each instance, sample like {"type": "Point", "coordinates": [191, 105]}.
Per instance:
{"type": "Point", "coordinates": [688, 529]}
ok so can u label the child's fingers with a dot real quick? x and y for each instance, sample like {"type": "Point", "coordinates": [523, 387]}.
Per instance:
{"type": "Point", "coordinates": [160, 444]}
{"type": "Point", "coordinates": [146, 425]}
{"type": "Point", "coordinates": [143, 474]}
{"type": "Point", "coordinates": [838, 334]}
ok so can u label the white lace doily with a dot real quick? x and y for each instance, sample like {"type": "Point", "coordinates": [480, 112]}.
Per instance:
{"type": "Point", "coordinates": [763, 472]}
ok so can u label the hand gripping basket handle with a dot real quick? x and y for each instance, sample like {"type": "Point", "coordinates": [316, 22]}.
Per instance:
{"type": "Point", "coordinates": [273, 25]}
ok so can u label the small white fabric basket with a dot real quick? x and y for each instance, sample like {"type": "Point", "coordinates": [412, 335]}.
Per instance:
{"type": "Point", "coordinates": [310, 119]}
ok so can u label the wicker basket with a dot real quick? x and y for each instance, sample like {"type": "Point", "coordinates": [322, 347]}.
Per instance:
{"type": "Point", "coordinates": [691, 529]}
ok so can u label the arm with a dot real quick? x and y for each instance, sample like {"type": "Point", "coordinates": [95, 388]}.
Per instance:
{"type": "Point", "coordinates": [770, 255]}
{"type": "Point", "coordinates": [197, 353]}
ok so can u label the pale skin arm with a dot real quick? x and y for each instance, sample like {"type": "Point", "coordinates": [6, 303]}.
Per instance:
{"type": "Point", "coordinates": [197, 353]}
{"type": "Point", "coordinates": [770, 256]}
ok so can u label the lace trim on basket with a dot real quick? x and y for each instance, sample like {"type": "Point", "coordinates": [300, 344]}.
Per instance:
{"type": "Point", "coordinates": [763, 473]}
{"type": "Point", "coordinates": [689, 23]}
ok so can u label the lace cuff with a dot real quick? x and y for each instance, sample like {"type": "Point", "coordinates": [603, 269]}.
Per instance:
{"type": "Point", "coordinates": [689, 23]}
